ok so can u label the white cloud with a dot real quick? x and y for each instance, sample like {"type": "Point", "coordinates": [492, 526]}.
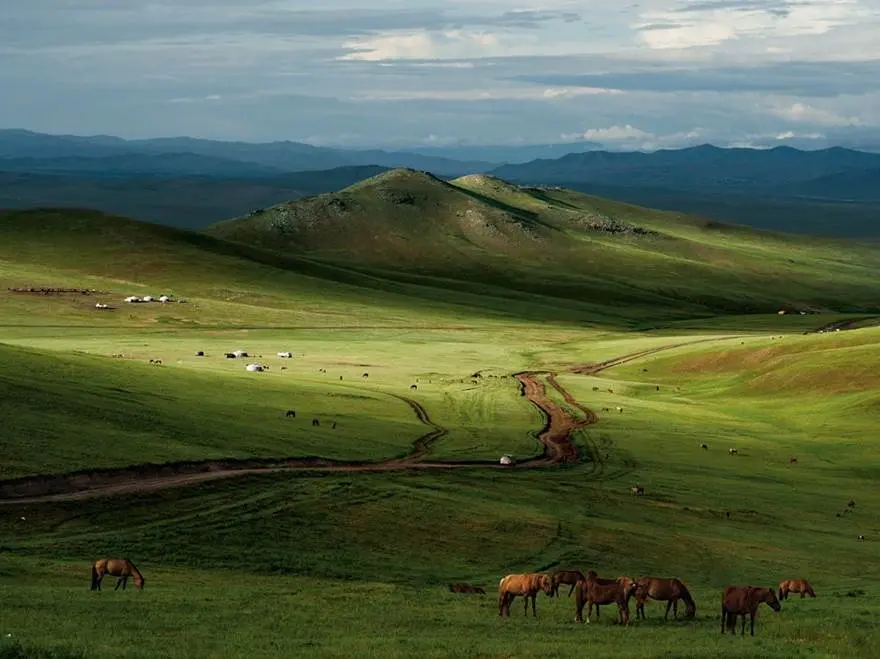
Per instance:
{"type": "Point", "coordinates": [611, 134]}
{"type": "Point", "coordinates": [803, 113]}
{"type": "Point", "coordinates": [495, 94]}
{"type": "Point", "coordinates": [422, 45]}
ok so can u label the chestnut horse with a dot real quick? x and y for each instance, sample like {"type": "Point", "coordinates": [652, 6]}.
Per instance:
{"type": "Point", "coordinates": [116, 567]}
{"type": "Point", "coordinates": [795, 586]}
{"type": "Point", "coordinates": [595, 591]}
{"type": "Point", "coordinates": [568, 577]}
{"type": "Point", "coordinates": [742, 600]}
{"type": "Point", "coordinates": [526, 586]}
{"type": "Point", "coordinates": [670, 590]}
{"type": "Point", "coordinates": [465, 588]}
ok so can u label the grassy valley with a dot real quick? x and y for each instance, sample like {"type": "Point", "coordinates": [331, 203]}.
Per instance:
{"type": "Point", "coordinates": [434, 326]}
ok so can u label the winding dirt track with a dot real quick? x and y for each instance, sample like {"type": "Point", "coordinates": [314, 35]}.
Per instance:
{"type": "Point", "coordinates": [555, 438]}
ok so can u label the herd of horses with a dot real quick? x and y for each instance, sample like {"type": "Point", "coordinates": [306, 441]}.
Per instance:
{"type": "Point", "coordinates": [591, 590]}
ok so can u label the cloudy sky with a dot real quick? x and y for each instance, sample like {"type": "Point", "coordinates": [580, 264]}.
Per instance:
{"type": "Point", "coordinates": [646, 74]}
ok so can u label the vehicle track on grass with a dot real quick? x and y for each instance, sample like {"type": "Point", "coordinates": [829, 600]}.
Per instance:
{"type": "Point", "coordinates": [555, 437]}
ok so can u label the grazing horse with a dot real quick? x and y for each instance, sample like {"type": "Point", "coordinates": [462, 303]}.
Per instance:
{"type": "Point", "coordinates": [291, 413]}
{"type": "Point", "coordinates": [315, 422]}
{"type": "Point", "coordinates": [638, 490]}
{"type": "Point", "coordinates": [595, 591]}
{"type": "Point", "coordinates": [732, 451]}
{"type": "Point", "coordinates": [704, 446]}
{"type": "Point", "coordinates": [526, 586]}
{"type": "Point", "coordinates": [568, 577]}
{"type": "Point", "coordinates": [743, 600]}
{"type": "Point", "coordinates": [465, 588]}
{"type": "Point", "coordinates": [412, 387]}
{"type": "Point", "coordinates": [792, 460]}
{"type": "Point", "coordinates": [795, 586]}
{"type": "Point", "coordinates": [116, 567]}
{"type": "Point", "coordinates": [365, 375]}
{"type": "Point", "coordinates": [670, 590]}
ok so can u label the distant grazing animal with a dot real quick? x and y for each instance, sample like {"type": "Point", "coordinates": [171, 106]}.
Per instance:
{"type": "Point", "coordinates": [669, 590]}
{"type": "Point", "coordinates": [594, 591]}
{"type": "Point", "coordinates": [116, 567]}
{"type": "Point", "coordinates": [340, 377]}
{"type": "Point", "coordinates": [465, 588]}
{"type": "Point", "coordinates": [200, 353]}
{"type": "Point", "coordinates": [851, 504]}
{"type": "Point", "coordinates": [315, 422]}
{"type": "Point", "coordinates": [611, 391]}
{"type": "Point", "coordinates": [732, 451]}
{"type": "Point", "coordinates": [291, 413]}
{"type": "Point", "coordinates": [606, 409]}
{"type": "Point", "coordinates": [595, 388]}
{"type": "Point", "coordinates": [568, 577]}
{"type": "Point", "coordinates": [412, 387]}
{"type": "Point", "coordinates": [638, 490]}
{"type": "Point", "coordinates": [526, 586]}
{"type": "Point", "coordinates": [727, 514]}
{"type": "Point", "coordinates": [792, 460]}
{"type": "Point", "coordinates": [334, 425]}
{"type": "Point", "coordinates": [658, 387]}
{"type": "Point", "coordinates": [742, 601]}
{"type": "Point", "coordinates": [795, 586]}
{"type": "Point", "coordinates": [229, 355]}
{"type": "Point", "coordinates": [365, 375]}
{"type": "Point", "coordinates": [619, 409]}
{"type": "Point", "coordinates": [285, 355]}
{"type": "Point", "coordinates": [861, 537]}
{"type": "Point", "coordinates": [704, 446]}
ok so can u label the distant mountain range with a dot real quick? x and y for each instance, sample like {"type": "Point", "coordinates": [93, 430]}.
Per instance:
{"type": "Point", "coordinates": [194, 182]}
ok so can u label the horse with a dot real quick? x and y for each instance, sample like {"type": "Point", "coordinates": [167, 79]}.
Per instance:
{"type": "Point", "coordinates": [315, 422]}
{"type": "Point", "coordinates": [365, 375]}
{"type": "Point", "coordinates": [526, 586]}
{"type": "Point", "coordinates": [732, 451]}
{"type": "Point", "coordinates": [290, 413]}
{"type": "Point", "coordinates": [594, 591]}
{"type": "Point", "coordinates": [412, 387]}
{"type": "Point", "coordinates": [742, 600]}
{"type": "Point", "coordinates": [568, 577]}
{"type": "Point", "coordinates": [116, 567]}
{"type": "Point", "coordinates": [465, 588]}
{"type": "Point", "coordinates": [670, 590]}
{"type": "Point", "coordinates": [792, 460]}
{"type": "Point", "coordinates": [795, 586]}
{"type": "Point", "coordinates": [705, 447]}
{"type": "Point", "coordinates": [638, 490]}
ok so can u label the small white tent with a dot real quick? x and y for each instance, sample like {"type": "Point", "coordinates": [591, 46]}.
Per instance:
{"type": "Point", "coordinates": [254, 368]}
{"type": "Point", "coordinates": [507, 460]}
{"type": "Point", "coordinates": [132, 298]}
{"type": "Point", "coordinates": [164, 298]}
{"type": "Point", "coordinates": [147, 298]}
{"type": "Point", "coordinates": [285, 355]}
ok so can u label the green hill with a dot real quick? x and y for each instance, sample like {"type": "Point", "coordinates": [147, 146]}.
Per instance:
{"type": "Point", "coordinates": [562, 244]}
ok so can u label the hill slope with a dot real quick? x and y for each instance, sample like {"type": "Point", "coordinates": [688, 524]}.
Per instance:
{"type": "Point", "coordinates": [562, 244]}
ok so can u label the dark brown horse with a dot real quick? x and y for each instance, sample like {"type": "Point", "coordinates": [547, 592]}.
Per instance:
{"type": "Point", "coordinates": [742, 601]}
{"type": "Point", "coordinates": [465, 588]}
{"type": "Point", "coordinates": [795, 586]}
{"type": "Point", "coordinates": [526, 586]}
{"type": "Point", "coordinates": [568, 577]}
{"type": "Point", "coordinates": [595, 591]}
{"type": "Point", "coordinates": [116, 567]}
{"type": "Point", "coordinates": [668, 590]}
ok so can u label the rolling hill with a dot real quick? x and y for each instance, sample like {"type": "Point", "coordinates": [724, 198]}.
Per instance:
{"type": "Point", "coordinates": [560, 244]}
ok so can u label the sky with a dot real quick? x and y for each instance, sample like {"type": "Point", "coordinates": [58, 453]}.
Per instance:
{"type": "Point", "coordinates": [394, 73]}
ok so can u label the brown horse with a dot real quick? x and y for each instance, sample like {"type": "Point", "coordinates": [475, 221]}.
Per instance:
{"type": "Point", "coordinates": [795, 586]}
{"type": "Point", "coordinates": [526, 586]}
{"type": "Point", "coordinates": [670, 590]}
{"type": "Point", "coordinates": [116, 567]}
{"type": "Point", "coordinates": [465, 588]}
{"type": "Point", "coordinates": [568, 577]}
{"type": "Point", "coordinates": [742, 600]}
{"type": "Point", "coordinates": [595, 591]}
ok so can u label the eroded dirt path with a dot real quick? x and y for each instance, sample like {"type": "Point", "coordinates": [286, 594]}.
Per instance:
{"type": "Point", "coordinates": [556, 438]}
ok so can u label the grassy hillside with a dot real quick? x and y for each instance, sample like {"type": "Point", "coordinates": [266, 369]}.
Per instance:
{"type": "Point", "coordinates": [564, 245]}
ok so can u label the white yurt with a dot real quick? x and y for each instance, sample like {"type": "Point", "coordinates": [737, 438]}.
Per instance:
{"type": "Point", "coordinates": [132, 298]}
{"type": "Point", "coordinates": [147, 298]}
{"type": "Point", "coordinates": [285, 355]}
{"type": "Point", "coordinates": [164, 298]}
{"type": "Point", "coordinates": [254, 368]}
{"type": "Point", "coordinates": [239, 353]}
{"type": "Point", "coordinates": [507, 460]}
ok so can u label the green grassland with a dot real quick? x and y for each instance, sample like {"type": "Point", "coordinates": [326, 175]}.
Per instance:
{"type": "Point", "coordinates": [342, 564]}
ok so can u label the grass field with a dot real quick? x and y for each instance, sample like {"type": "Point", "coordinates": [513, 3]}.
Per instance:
{"type": "Point", "coordinates": [341, 564]}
